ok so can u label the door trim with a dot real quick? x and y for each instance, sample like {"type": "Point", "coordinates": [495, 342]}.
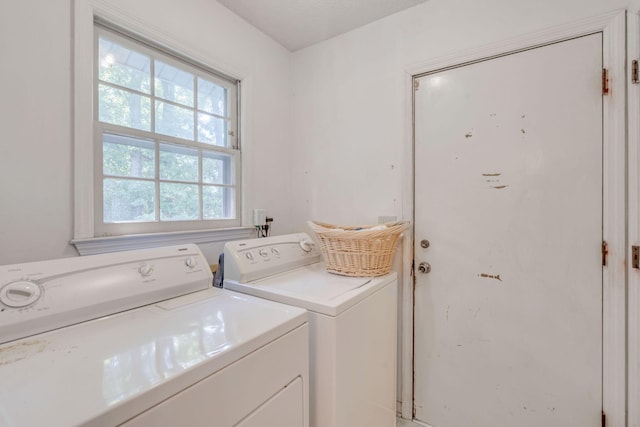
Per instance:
{"type": "Point", "coordinates": [633, 111]}
{"type": "Point", "coordinates": [613, 28]}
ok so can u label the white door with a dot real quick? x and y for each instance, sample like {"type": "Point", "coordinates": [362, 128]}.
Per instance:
{"type": "Point", "coordinates": [508, 192]}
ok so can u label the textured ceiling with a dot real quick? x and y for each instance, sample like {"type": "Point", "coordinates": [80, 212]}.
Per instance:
{"type": "Point", "coordinates": [296, 24]}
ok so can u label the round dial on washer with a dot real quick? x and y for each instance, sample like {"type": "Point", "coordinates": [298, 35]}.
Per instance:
{"type": "Point", "coordinates": [306, 245]}
{"type": "Point", "coordinates": [263, 252]}
{"type": "Point", "coordinates": [191, 262]}
{"type": "Point", "coordinates": [145, 270]}
{"type": "Point", "coordinates": [20, 294]}
{"type": "Point", "coordinates": [249, 256]}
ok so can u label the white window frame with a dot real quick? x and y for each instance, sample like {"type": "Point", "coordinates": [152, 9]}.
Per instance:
{"type": "Point", "coordinates": [86, 238]}
{"type": "Point", "coordinates": [156, 53]}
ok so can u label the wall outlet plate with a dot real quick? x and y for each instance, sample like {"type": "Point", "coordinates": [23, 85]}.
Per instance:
{"type": "Point", "coordinates": [259, 217]}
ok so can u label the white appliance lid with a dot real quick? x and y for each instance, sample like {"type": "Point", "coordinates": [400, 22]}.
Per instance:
{"type": "Point", "coordinates": [313, 288]}
{"type": "Point", "coordinates": [107, 370]}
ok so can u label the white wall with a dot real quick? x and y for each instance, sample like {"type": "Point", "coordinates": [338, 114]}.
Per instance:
{"type": "Point", "coordinates": [350, 106]}
{"type": "Point", "coordinates": [35, 130]}
{"type": "Point", "coordinates": [36, 82]}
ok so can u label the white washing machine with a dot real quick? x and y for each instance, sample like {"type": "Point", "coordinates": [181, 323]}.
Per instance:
{"type": "Point", "coordinates": [141, 339]}
{"type": "Point", "coordinates": [352, 324]}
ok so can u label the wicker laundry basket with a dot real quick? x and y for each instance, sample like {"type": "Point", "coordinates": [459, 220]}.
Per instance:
{"type": "Point", "coordinates": [358, 250]}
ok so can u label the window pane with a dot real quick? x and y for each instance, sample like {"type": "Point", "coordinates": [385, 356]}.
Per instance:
{"type": "Point", "coordinates": [178, 163]}
{"type": "Point", "coordinates": [123, 67]}
{"type": "Point", "coordinates": [127, 156]}
{"type": "Point", "coordinates": [216, 168]}
{"type": "Point", "coordinates": [212, 130]}
{"type": "Point", "coordinates": [123, 108]}
{"type": "Point", "coordinates": [128, 200]}
{"type": "Point", "coordinates": [174, 121]}
{"type": "Point", "coordinates": [217, 202]}
{"type": "Point", "coordinates": [162, 128]}
{"type": "Point", "coordinates": [212, 98]}
{"type": "Point", "coordinates": [178, 202]}
{"type": "Point", "coordinates": [173, 84]}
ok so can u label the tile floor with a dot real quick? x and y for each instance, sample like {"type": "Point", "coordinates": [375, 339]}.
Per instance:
{"type": "Point", "coordinates": [405, 423]}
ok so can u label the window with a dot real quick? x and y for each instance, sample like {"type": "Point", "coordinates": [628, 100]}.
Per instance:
{"type": "Point", "coordinates": [166, 150]}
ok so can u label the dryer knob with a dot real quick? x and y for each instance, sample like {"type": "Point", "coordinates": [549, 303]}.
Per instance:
{"type": "Point", "coordinates": [307, 245]}
{"type": "Point", "coordinates": [145, 270]}
{"type": "Point", "coordinates": [191, 262]}
{"type": "Point", "coordinates": [20, 294]}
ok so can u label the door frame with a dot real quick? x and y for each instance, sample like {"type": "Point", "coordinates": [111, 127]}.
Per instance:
{"type": "Point", "coordinates": [614, 276]}
{"type": "Point", "coordinates": [633, 111]}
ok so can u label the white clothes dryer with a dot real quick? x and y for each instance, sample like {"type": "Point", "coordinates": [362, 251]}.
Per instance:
{"type": "Point", "coordinates": [352, 324]}
{"type": "Point", "coordinates": [141, 339]}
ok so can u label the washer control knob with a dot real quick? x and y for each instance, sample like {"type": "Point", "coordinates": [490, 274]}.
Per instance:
{"type": "Point", "coordinates": [263, 253]}
{"type": "Point", "coordinates": [306, 245]}
{"type": "Point", "coordinates": [249, 256]}
{"type": "Point", "coordinates": [20, 294]}
{"type": "Point", "coordinates": [191, 262]}
{"type": "Point", "coordinates": [145, 270]}
{"type": "Point", "coordinates": [275, 251]}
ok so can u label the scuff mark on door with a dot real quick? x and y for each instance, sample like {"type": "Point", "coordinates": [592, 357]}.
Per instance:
{"type": "Point", "coordinates": [490, 276]}
{"type": "Point", "coordinates": [491, 181]}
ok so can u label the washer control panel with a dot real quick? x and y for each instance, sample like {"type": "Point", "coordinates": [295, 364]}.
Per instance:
{"type": "Point", "coordinates": [253, 259]}
{"type": "Point", "coordinates": [41, 296]}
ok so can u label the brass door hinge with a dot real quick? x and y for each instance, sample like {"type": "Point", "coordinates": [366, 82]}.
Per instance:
{"type": "Point", "coordinates": [635, 78]}
{"type": "Point", "coordinates": [605, 252]}
{"type": "Point", "coordinates": [416, 85]}
{"type": "Point", "coordinates": [635, 257]}
{"type": "Point", "coordinates": [605, 81]}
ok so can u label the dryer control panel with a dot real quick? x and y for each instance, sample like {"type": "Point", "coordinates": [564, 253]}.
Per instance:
{"type": "Point", "coordinates": [253, 259]}
{"type": "Point", "coordinates": [40, 296]}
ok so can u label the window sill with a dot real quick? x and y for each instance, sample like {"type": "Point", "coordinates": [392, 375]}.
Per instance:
{"type": "Point", "coordinates": [100, 245]}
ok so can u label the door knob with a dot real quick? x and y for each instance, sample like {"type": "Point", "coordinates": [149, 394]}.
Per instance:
{"type": "Point", "coordinates": [424, 267]}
